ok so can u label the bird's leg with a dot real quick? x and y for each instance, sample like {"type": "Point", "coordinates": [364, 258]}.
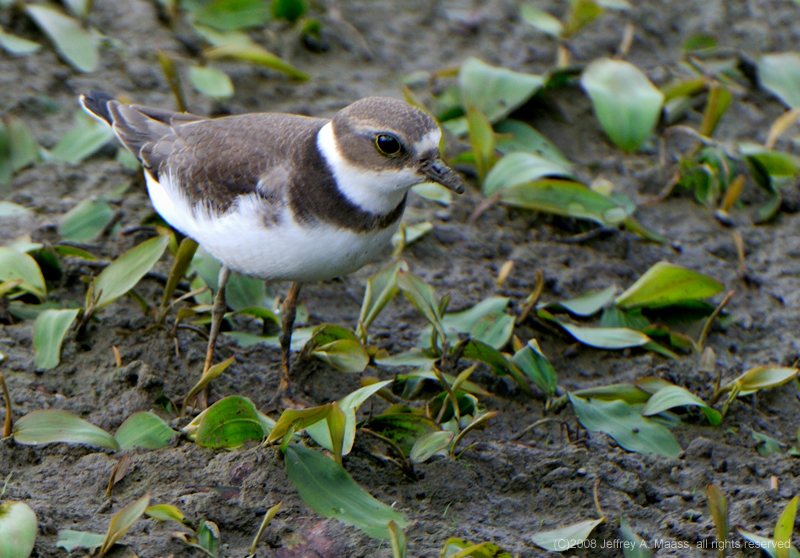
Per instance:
{"type": "Point", "coordinates": [217, 313]}
{"type": "Point", "coordinates": [288, 313]}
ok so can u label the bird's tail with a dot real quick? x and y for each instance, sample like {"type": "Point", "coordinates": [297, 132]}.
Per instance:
{"type": "Point", "coordinates": [96, 104]}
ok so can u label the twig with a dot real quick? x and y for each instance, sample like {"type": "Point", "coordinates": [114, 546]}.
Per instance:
{"type": "Point", "coordinates": [484, 206]}
{"type": "Point", "coordinates": [533, 298]}
{"type": "Point", "coordinates": [711, 318]}
{"type": "Point", "coordinates": [600, 514]}
{"type": "Point", "coordinates": [589, 235]}
{"type": "Point", "coordinates": [530, 427]}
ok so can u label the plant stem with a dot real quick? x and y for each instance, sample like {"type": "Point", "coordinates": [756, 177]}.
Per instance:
{"type": "Point", "coordinates": [7, 425]}
{"type": "Point", "coordinates": [711, 318]}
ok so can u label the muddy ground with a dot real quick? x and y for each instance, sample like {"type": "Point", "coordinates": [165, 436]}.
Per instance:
{"type": "Point", "coordinates": [503, 490]}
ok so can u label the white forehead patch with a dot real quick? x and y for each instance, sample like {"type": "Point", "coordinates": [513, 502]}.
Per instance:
{"type": "Point", "coordinates": [429, 141]}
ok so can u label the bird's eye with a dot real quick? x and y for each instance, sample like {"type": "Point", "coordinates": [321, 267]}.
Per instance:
{"type": "Point", "coordinates": [388, 144]}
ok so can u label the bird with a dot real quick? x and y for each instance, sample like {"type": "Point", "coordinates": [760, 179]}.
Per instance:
{"type": "Point", "coordinates": [282, 197]}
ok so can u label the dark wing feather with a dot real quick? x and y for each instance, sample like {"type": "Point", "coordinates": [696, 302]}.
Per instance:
{"type": "Point", "coordinates": [212, 161]}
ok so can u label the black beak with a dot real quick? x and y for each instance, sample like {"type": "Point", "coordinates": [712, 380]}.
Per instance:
{"type": "Point", "coordinates": [436, 171]}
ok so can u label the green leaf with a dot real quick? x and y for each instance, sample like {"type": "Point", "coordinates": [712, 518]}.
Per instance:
{"type": "Point", "coordinates": [784, 528]}
{"type": "Point", "coordinates": [459, 548]}
{"type": "Point", "coordinates": [624, 100]}
{"type": "Point", "coordinates": [300, 337]}
{"type": "Point", "coordinates": [766, 377]}
{"type": "Point", "coordinates": [634, 545]}
{"type": "Point", "coordinates": [349, 404]}
{"type": "Point", "coordinates": [255, 54]}
{"type": "Point", "coordinates": [518, 168]}
{"type": "Point", "coordinates": [626, 425]}
{"type": "Point", "coordinates": [481, 418]}
{"type": "Point", "coordinates": [532, 362]}
{"type": "Point", "coordinates": [583, 12]}
{"type": "Point", "coordinates": [84, 139]}
{"type": "Point", "coordinates": [327, 488]}
{"type": "Point", "coordinates": [719, 99]}
{"type": "Point", "coordinates": [328, 333]}
{"type": "Point", "coordinates": [205, 380]}
{"type": "Point", "coordinates": [227, 15]}
{"type": "Point", "coordinates": [290, 10]}
{"type": "Point", "coordinates": [486, 322]}
{"type": "Point", "coordinates": [410, 381]}
{"type": "Point", "coordinates": [122, 521]}
{"type": "Point", "coordinates": [542, 20]}
{"type": "Point", "coordinates": [79, 8]}
{"type": "Point", "coordinates": [124, 272]}
{"type": "Point", "coordinates": [564, 538]}
{"type": "Point", "coordinates": [183, 259]}
{"type": "Point", "coordinates": [407, 235]}
{"type": "Point", "coordinates": [497, 361]}
{"type": "Point", "coordinates": [769, 546]}
{"type": "Point", "coordinates": [71, 540]}
{"type": "Point", "coordinates": [48, 332]}
{"type": "Point", "coordinates": [718, 506]}
{"type": "Point", "coordinates": [143, 430]}
{"type": "Point", "coordinates": [780, 74]}
{"type": "Point", "coordinates": [18, 527]}
{"type": "Point", "coordinates": [219, 38]}
{"type": "Point", "coordinates": [9, 209]}
{"type": "Point", "coordinates": [17, 45]}
{"type": "Point", "coordinates": [165, 512]}
{"type": "Point", "coordinates": [631, 319]}
{"type": "Point", "coordinates": [586, 304]}
{"type": "Point", "coordinates": [414, 357]}
{"type": "Point", "coordinates": [566, 198]}
{"type": "Point", "coordinates": [18, 266]}
{"type": "Point", "coordinates": [665, 284]}
{"type": "Point", "coordinates": [481, 137]}
{"type": "Point", "coordinates": [344, 355]}
{"type": "Point", "coordinates": [496, 92]}
{"type": "Point", "coordinates": [421, 296]}
{"type": "Point", "coordinates": [606, 337]}
{"type": "Point", "coordinates": [292, 420]}
{"type": "Point", "coordinates": [381, 288]}
{"type": "Point", "coordinates": [670, 397]}
{"type": "Point", "coordinates": [23, 149]}
{"type": "Point", "coordinates": [430, 444]}
{"type": "Point", "coordinates": [229, 423]}
{"type": "Point", "coordinates": [766, 445]}
{"type": "Point", "coordinates": [54, 425]}
{"type": "Point", "coordinates": [86, 220]}
{"type": "Point", "coordinates": [776, 164]}
{"type": "Point", "coordinates": [629, 393]}
{"type": "Point", "coordinates": [65, 250]}
{"type": "Point", "coordinates": [404, 429]}
{"type": "Point", "coordinates": [336, 421]}
{"type": "Point", "coordinates": [208, 537]}
{"type": "Point", "coordinates": [397, 541]}
{"type": "Point", "coordinates": [211, 82]}
{"type": "Point", "coordinates": [434, 192]}
{"type": "Point", "coordinates": [75, 45]}
{"type": "Point", "coordinates": [513, 136]}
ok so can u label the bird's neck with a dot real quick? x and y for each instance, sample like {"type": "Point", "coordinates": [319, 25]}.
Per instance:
{"type": "Point", "coordinates": [376, 192]}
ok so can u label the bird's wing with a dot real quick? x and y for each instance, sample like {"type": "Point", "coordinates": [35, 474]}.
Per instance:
{"type": "Point", "coordinates": [211, 162]}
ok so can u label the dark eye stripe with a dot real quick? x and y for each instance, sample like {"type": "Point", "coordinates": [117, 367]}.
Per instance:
{"type": "Point", "coordinates": [387, 144]}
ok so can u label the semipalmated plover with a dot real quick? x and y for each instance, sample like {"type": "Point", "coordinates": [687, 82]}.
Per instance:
{"type": "Point", "coordinates": [282, 196]}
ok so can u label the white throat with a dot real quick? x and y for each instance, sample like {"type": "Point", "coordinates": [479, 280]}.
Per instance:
{"type": "Point", "coordinates": [377, 192]}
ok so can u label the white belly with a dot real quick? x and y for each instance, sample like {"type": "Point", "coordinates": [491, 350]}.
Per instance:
{"type": "Point", "coordinates": [242, 242]}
